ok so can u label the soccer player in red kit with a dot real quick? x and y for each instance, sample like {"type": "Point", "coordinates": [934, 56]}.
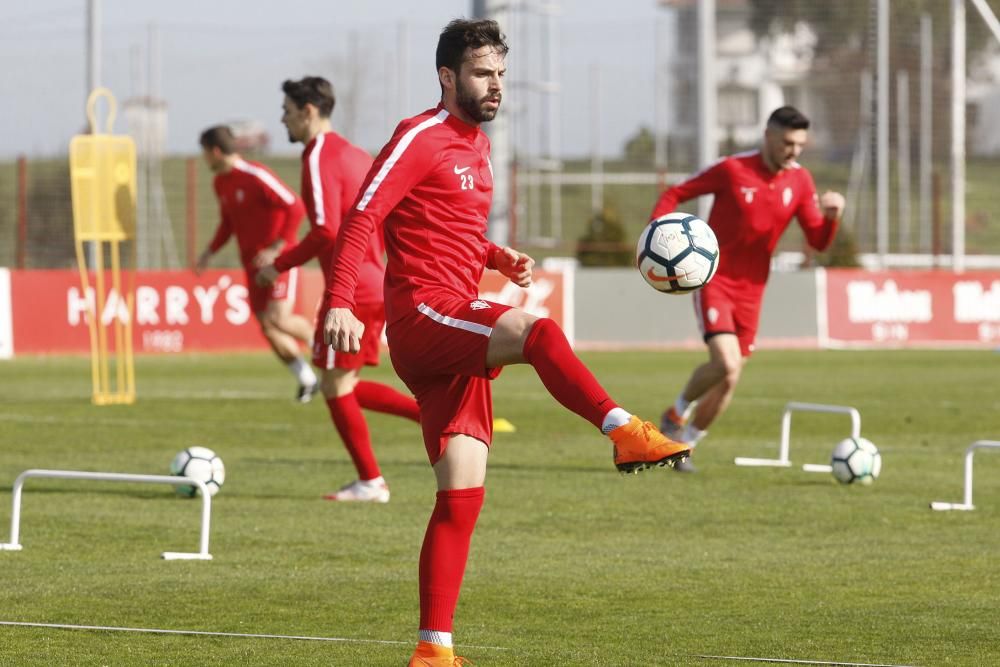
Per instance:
{"type": "Point", "coordinates": [431, 186]}
{"type": "Point", "coordinates": [332, 172]}
{"type": "Point", "coordinates": [264, 215]}
{"type": "Point", "coordinates": [756, 196]}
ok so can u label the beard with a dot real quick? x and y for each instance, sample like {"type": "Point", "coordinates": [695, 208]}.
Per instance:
{"type": "Point", "coordinates": [468, 103]}
{"type": "Point", "coordinates": [294, 133]}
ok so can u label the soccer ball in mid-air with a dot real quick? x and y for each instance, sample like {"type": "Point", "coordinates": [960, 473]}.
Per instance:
{"type": "Point", "coordinates": [677, 253]}
{"type": "Point", "coordinates": [199, 463]}
{"type": "Point", "coordinates": [856, 460]}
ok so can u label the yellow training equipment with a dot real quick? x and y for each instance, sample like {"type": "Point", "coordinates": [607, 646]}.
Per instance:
{"type": "Point", "coordinates": [102, 174]}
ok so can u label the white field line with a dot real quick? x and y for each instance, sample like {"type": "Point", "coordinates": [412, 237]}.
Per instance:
{"type": "Point", "coordinates": [183, 394]}
{"type": "Point", "coordinates": [238, 635]}
{"type": "Point", "coordinates": [49, 419]}
{"type": "Point", "coordinates": [216, 393]}
{"type": "Point", "coordinates": [796, 662]}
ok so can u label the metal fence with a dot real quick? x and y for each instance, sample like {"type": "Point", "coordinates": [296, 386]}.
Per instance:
{"type": "Point", "coordinates": [611, 117]}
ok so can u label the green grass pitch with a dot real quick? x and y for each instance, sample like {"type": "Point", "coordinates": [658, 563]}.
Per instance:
{"type": "Point", "coordinates": [571, 563]}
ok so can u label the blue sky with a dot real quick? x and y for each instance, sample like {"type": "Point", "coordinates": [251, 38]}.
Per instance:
{"type": "Point", "coordinates": [224, 60]}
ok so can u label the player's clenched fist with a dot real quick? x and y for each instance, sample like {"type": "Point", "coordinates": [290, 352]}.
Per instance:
{"type": "Point", "coordinates": [515, 265]}
{"type": "Point", "coordinates": [832, 204]}
{"type": "Point", "coordinates": [343, 331]}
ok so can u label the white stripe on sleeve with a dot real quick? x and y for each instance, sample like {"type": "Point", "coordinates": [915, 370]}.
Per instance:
{"type": "Point", "coordinates": [397, 152]}
{"type": "Point", "coordinates": [267, 179]}
{"type": "Point", "coordinates": [316, 181]}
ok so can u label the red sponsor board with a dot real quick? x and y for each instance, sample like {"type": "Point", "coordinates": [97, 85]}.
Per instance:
{"type": "Point", "coordinates": [917, 308]}
{"type": "Point", "coordinates": [176, 311]}
{"type": "Point", "coordinates": [550, 295]}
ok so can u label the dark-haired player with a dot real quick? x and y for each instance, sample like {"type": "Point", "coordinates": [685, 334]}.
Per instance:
{"type": "Point", "coordinates": [263, 213]}
{"type": "Point", "coordinates": [756, 196]}
{"type": "Point", "coordinates": [432, 185]}
{"type": "Point", "coordinates": [332, 171]}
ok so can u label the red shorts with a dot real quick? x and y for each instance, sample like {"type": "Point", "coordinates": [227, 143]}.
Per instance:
{"type": "Point", "coordinates": [721, 308]}
{"type": "Point", "coordinates": [372, 315]}
{"type": "Point", "coordinates": [282, 288]}
{"type": "Point", "coordinates": [439, 351]}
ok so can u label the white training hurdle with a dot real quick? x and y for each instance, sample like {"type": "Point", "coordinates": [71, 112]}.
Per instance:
{"type": "Point", "coordinates": [786, 435]}
{"type": "Point", "coordinates": [966, 503]}
{"type": "Point", "coordinates": [206, 505]}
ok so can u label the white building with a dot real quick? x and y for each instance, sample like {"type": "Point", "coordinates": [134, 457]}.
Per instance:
{"type": "Point", "coordinates": [754, 76]}
{"type": "Point", "coordinates": [983, 105]}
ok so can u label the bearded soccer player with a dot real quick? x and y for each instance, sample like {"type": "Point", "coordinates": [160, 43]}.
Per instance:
{"type": "Point", "coordinates": [264, 215]}
{"type": "Point", "coordinates": [332, 171]}
{"type": "Point", "coordinates": [432, 186]}
{"type": "Point", "coordinates": [756, 196]}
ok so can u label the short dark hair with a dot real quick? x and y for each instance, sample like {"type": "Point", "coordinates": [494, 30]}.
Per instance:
{"type": "Point", "coordinates": [462, 34]}
{"type": "Point", "coordinates": [219, 136]}
{"type": "Point", "coordinates": [314, 90]}
{"type": "Point", "coordinates": [789, 118]}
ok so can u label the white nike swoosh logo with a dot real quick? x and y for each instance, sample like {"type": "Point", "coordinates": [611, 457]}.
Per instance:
{"type": "Point", "coordinates": [462, 170]}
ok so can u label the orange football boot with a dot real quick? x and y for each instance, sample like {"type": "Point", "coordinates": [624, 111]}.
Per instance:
{"type": "Point", "coordinates": [638, 445]}
{"type": "Point", "coordinates": [428, 654]}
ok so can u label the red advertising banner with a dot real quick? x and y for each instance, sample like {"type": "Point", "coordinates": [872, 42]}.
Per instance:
{"type": "Point", "coordinates": [915, 308]}
{"type": "Point", "coordinates": [6, 325]}
{"type": "Point", "coordinates": [176, 311]}
{"type": "Point", "coordinates": [550, 295]}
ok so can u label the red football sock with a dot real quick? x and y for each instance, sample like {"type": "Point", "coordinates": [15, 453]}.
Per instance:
{"type": "Point", "coordinates": [383, 398]}
{"type": "Point", "coordinates": [563, 374]}
{"type": "Point", "coordinates": [353, 430]}
{"type": "Point", "coordinates": [444, 554]}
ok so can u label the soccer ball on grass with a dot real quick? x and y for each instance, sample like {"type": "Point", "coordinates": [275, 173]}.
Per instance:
{"type": "Point", "coordinates": [199, 463]}
{"type": "Point", "coordinates": [856, 460]}
{"type": "Point", "coordinates": [677, 253]}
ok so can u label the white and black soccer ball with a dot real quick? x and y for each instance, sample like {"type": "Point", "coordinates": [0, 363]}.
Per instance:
{"type": "Point", "coordinates": [677, 253]}
{"type": "Point", "coordinates": [199, 463]}
{"type": "Point", "coordinates": [856, 460]}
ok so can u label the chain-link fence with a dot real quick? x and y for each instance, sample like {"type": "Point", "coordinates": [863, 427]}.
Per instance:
{"type": "Point", "coordinates": [36, 216]}
{"type": "Point", "coordinates": [878, 89]}
{"type": "Point", "coordinates": [597, 132]}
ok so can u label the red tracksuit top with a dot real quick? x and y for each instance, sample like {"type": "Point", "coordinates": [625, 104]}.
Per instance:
{"type": "Point", "coordinates": [431, 186]}
{"type": "Point", "coordinates": [752, 208]}
{"type": "Point", "coordinates": [256, 207]}
{"type": "Point", "coordinates": [332, 172]}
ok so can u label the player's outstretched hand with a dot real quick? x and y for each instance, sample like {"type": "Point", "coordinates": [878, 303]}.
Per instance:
{"type": "Point", "coordinates": [832, 204]}
{"type": "Point", "coordinates": [266, 275]}
{"type": "Point", "coordinates": [343, 331]}
{"type": "Point", "coordinates": [515, 265]}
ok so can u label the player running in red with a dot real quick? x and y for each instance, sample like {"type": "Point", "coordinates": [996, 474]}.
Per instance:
{"type": "Point", "coordinates": [432, 186]}
{"type": "Point", "coordinates": [263, 214]}
{"type": "Point", "coordinates": [332, 172]}
{"type": "Point", "coordinates": [756, 196]}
